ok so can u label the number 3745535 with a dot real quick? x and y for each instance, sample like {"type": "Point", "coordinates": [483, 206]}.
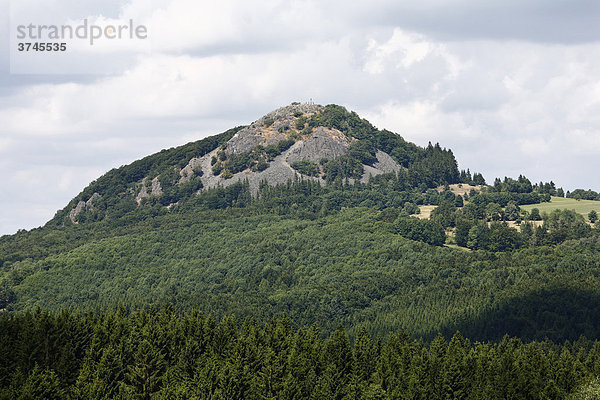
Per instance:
{"type": "Point", "coordinates": [35, 46]}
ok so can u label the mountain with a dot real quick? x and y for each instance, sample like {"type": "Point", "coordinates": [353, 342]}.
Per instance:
{"type": "Point", "coordinates": [299, 141]}
{"type": "Point", "coordinates": [306, 255]}
{"type": "Point", "coordinates": [313, 213]}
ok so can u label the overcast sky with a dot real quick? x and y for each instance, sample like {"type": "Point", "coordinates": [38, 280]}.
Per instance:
{"type": "Point", "coordinates": [510, 86]}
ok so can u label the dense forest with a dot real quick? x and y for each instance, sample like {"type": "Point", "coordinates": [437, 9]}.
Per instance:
{"type": "Point", "coordinates": [336, 288]}
{"type": "Point", "coordinates": [159, 354]}
{"type": "Point", "coordinates": [348, 267]}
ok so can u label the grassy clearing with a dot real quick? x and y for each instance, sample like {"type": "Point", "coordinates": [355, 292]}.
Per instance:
{"type": "Point", "coordinates": [455, 246]}
{"type": "Point", "coordinates": [513, 224]}
{"type": "Point", "coordinates": [425, 212]}
{"type": "Point", "coordinates": [461, 188]}
{"type": "Point", "coordinates": [582, 207]}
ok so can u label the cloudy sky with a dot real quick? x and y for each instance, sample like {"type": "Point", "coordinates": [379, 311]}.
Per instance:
{"type": "Point", "coordinates": [510, 86]}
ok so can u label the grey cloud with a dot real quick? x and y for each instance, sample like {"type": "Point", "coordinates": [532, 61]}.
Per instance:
{"type": "Point", "coordinates": [548, 21]}
{"type": "Point", "coordinates": [11, 83]}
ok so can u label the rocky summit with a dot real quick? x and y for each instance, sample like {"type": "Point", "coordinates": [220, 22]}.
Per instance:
{"type": "Point", "coordinates": [321, 144]}
{"type": "Point", "coordinates": [273, 148]}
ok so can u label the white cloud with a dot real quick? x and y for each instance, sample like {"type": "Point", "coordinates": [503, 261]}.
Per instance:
{"type": "Point", "coordinates": [403, 49]}
{"type": "Point", "coordinates": [583, 142]}
{"type": "Point", "coordinates": [422, 121]}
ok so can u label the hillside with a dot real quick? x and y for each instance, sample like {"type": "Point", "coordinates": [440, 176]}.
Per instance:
{"type": "Point", "coordinates": [307, 212]}
{"type": "Point", "coordinates": [582, 207]}
{"type": "Point", "coordinates": [305, 255]}
{"type": "Point", "coordinates": [350, 267]}
{"type": "Point", "coordinates": [300, 141]}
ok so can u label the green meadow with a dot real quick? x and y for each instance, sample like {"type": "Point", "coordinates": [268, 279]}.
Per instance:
{"type": "Point", "coordinates": [559, 203]}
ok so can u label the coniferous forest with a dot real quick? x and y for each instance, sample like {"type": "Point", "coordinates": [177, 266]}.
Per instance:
{"type": "Point", "coordinates": [165, 355]}
{"type": "Point", "coordinates": [327, 286]}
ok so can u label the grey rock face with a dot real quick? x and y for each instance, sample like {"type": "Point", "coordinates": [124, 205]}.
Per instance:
{"type": "Point", "coordinates": [324, 143]}
{"type": "Point", "coordinates": [270, 129]}
{"type": "Point", "coordinates": [274, 127]}
{"type": "Point", "coordinates": [279, 171]}
{"type": "Point", "coordinates": [143, 192]}
{"type": "Point", "coordinates": [90, 202]}
{"type": "Point", "coordinates": [244, 140]}
{"type": "Point", "coordinates": [385, 164]}
{"type": "Point", "coordinates": [287, 113]}
{"type": "Point", "coordinates": [83, 206]}
{"type": "Point", "coordinates": [155, 189]}
{"type": "Point", "coordinates": [76, 211]}
{"type": "Point", "coordinates": [190, 169]}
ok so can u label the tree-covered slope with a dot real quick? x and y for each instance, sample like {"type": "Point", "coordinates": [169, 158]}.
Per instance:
{"type": "Point", "coordinates": [338, 243]}
{"type": "Point", "coordinates": [351, 268]}
{"type": "Point", "coordinates": [324, 144]}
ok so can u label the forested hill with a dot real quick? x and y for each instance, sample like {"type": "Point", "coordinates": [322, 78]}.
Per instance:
{"type": "Point", "coordinates": [313, 213]}
{"type": "Point", "coordinates": [322, 144]}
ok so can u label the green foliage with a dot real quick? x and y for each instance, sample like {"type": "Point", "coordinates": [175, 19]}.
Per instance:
{"type": "Point", "coordinates": [411, 208]}
{"type": "Point", "coordinates": [363, 151]}
{"type": "Point", "coordinates": [306, 167]}
{"type": "Point", "coordinates": [163, 354]}
{"type": "Point", "coordinates": [503, 238]}
{"type": "Point", "coordinates": [503, 198]}
{"type": "Point", "coordinates": [285, 144]}
{"type": "Point", "coordinates": [495, 237]}
{"type": "Point", "coordinates": [260, 166]}
{"type": "Point", "coordinates": [7, 295]}
{"type": "Point", "coordinates": [145, 373]}
{"type": "Point", "coordinates": [300, 122]}
{"type": "Point", "coordinates": [118, 189]}
{"type": "Point", "coordinates": [444, 214]}
{"type": "Point", "coordinates": [459, 202]}
{"type": "Point", "coordinates": [581, 194]}
{"type": "Point", "coordinates": [41, 384]}
{"type": "Point", "coordinates": [341, 168]}
{"type": "Point", "coordinates": [430, 232]}
{"type": "Point", "coordinates": [520, 185]}
{"type": "Point", "coordinates": [461, 234]}
{"type": "Point", "coordinates": [195, 253]}
{"type": "Point", "coordinates": [226, 174]}
{"type": "Point", "coordinates": [337, 267]}
{"type": "Point", "coordinates": [476, 179]}
{"type": "Point", "coordinates": [550, 188]}
{"type": "Point", "coordinates": [588, 391]}
{"type": "Point", "coordinates": [562, 225]}
{"type": "Point", "coordinates": [478, 236]}
{"type": "Point", "coordinates": [324, 256]}
{"type": "Point", "coordinates": [432, 166]}
{"type": "Point", "coordinates": [494, 212]}
{"type": "Point", "coordinates": [383, 191]}
{"type": "Point", "coordinates": [583, 207]}
{"type": "Point", "coordinates": [512, 212]}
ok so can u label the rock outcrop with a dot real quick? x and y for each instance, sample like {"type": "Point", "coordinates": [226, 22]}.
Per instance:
{"type": "Point", "coordinates": [83, 206]}
{"type": "Point", "coordinates": [155, 189]}
{"type": "Point", "coordinates": [287, 124]}
{"type": "Point", "coordinates": [323, 143]}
